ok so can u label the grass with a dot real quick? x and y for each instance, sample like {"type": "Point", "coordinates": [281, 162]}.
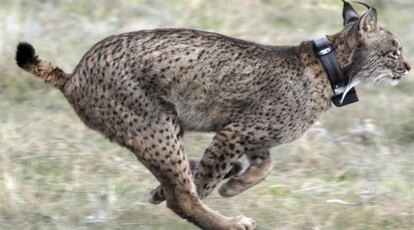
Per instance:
{"type": "Point", "coordinates": [353, 170]}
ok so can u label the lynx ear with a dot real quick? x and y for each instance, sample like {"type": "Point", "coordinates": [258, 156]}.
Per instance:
{"type": "Point", "coordinates": [368, 22]}
{"type": "Point", "coordinates": [348, 13]}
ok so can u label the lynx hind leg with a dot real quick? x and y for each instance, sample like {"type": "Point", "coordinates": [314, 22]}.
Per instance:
{"type": "Point", "coordinates": [260, 166]}
{"type": "Point", "coordinates": [169, 164]}
{"type": "Point", "coordinates": [156, 196]}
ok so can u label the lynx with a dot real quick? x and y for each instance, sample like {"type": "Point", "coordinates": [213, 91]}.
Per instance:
{"type": "Point", "coordinates": [143, 89]}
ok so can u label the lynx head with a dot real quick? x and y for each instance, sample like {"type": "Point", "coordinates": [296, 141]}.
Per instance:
{"type": "Point", "coordinates": [376, 53]}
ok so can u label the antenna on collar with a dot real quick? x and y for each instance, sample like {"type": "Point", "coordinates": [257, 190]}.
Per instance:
{"type": "Point", "coordinates": [361, 3]}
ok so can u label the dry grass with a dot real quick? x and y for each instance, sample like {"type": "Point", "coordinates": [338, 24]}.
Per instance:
{"type": "Point", "coordinates": [353, 170]}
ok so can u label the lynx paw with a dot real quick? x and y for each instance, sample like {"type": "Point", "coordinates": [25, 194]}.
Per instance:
{"type": "Point", "coordinates": [156, 196]}
{"type": "Point", "coordinates": [253, 175]}
{"type": "Point", "coordinates": [242, 223]}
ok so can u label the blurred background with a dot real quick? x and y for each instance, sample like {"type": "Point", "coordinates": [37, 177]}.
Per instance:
{"type": "Point", "coordinates": [353, 170]}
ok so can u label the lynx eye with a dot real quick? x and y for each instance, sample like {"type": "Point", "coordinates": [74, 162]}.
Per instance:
{"type": "Point", "coordinates": [394, 54]}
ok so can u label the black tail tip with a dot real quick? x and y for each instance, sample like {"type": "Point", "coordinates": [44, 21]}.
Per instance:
{"type": "Point", "coordinates": [25, 55]}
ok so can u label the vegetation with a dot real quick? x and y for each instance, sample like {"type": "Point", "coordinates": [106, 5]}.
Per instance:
{"type": "Point", "coordinates": [353, 170]}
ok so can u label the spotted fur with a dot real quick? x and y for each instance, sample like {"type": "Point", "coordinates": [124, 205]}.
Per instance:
{"type": "Point", "coordinates": [143, 89]}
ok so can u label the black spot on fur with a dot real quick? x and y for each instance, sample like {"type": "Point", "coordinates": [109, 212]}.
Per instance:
{"type": "Point", "coordinates": [25, 55]}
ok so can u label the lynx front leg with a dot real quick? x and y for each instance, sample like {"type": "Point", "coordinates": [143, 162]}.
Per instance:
{"type": "Point", "coordinates": [259, 168]}
{"type": "Point", "coordinates": [221, 157]}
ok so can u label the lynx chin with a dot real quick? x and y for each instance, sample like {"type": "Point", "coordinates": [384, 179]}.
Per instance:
{"type": "Point", "coordinates": [143, 89]}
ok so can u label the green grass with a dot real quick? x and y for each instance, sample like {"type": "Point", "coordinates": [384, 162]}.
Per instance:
{"type": "Point", "coordinates": [353, 170]}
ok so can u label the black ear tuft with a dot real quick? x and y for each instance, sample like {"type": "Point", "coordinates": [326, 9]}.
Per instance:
{"type": "Point", "coordinates": [25, 55]}
{"type": "Point", "coordinates": [348, 13]}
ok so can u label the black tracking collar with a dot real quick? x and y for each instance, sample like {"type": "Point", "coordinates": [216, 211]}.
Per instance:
{"type": "Point", "coordinates": [338, 80]}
